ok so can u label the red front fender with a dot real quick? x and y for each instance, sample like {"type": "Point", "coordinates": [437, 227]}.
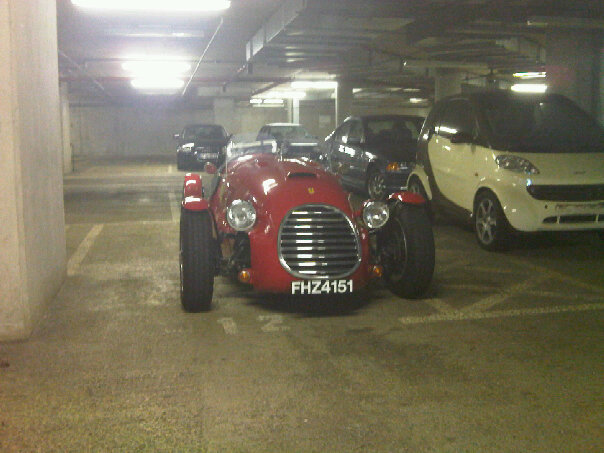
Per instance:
{"type": "Point", "coordinates": [192, 196]}
{"type": "Point", "coordinates": [407, 198]}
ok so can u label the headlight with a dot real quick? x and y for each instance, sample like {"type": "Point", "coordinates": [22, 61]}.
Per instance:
{"type": "Point", "coordinates": [375, 214]}
{"type": "Point", "coordinates": [516, 164]}
{"type": "Point", "coordinates": [398, 166]}
{"type": "Point", "coordinates": [188, 146]}
{"type": "Point", "coordinates": [241, 215]}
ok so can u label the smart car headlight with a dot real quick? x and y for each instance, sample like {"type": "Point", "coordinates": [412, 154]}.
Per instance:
{"type": "Point", "coordinates": [375, 214]}
{"type": "Point", "coordinates": [188, 146]}
{"type": "Point", "coordinates": [516, 164]}
{"type": "Point", "coordinates": [241, 215]}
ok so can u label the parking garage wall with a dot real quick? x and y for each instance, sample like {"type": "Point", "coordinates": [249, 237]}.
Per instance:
{"type": "Point", "coordinates": [32, 233]}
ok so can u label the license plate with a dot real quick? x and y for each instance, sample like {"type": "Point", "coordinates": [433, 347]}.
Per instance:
{"type": "Point", "coordinates": [201, 156]}
{"type": "Point", "coordinates": [322, 287]}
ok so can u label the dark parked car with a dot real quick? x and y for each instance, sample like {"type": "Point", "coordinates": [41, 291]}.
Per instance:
{"type": "Point", "coordinates": [293, 140]}
{"type": "Point", "coordinates": [375, 153]}
{"type": "Point", "coordinates": [199, 144]}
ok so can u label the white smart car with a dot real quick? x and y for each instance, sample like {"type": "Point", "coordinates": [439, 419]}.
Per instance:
{"type": "Point", "coordinates": [511, 162]}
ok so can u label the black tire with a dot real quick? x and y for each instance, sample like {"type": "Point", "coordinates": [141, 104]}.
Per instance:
{"type": "Point", "coordinates": [491, 227]}
{"type": "Point", "coordinates": [197, 261]}
{"type": "Point", "coordinates": [406, 248]}
{"type": "Point", "coordinates": [375, 185]}
{"type": "Point", "coordinates": [416, 186]}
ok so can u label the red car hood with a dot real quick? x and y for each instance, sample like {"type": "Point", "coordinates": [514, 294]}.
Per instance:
{"type": "Point", "coordinates": [275, 186]}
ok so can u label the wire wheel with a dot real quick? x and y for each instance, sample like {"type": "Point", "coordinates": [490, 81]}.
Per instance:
{"type": "Point", "coordinates": [376, 185]}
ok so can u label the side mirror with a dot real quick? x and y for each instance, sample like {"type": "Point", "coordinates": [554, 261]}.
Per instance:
{"type": "Point", "coordinates": [462, 137]}
{"type": "Point", "coordinates": [210, 168]}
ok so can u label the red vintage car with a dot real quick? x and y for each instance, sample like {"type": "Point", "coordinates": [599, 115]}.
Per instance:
{"type": "Point", "coordinates": [287, 226]}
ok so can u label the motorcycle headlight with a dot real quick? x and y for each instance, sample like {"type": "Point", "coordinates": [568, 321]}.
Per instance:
{"type": "Point", "coordinates": [516, 164]}
{"type": "Point", "coordinates": [375, 214]}
{"type": "Point", "coordinates": [241, 215]}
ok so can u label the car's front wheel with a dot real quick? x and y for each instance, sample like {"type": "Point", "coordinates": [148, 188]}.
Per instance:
{"type": "Point", "coordinates": [492, 229]}
{"type": "Point", "coordinates": [406, 248]}
{"type": "Point", "coordinates": [376, 184]}
{"type": "Point", "coordinates": [197, 261]}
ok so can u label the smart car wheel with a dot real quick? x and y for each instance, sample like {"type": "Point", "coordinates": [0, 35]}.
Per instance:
{"type": "Point", "coordinates": [197, 261]}
{"type": "Point", "coordinates": [376, 184]}
{"type": "Point", "coordinates": [490, 224]}
{"type": "Point", "coordinates": [406, 248]}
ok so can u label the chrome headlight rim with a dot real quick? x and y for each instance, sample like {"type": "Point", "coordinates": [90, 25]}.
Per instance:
{"type": "Point", "coordinates": [241, 215]}
{"type": "Point", "coordinates": [375, 214]}
{"type": "Point", "coordinates": [516, 164]}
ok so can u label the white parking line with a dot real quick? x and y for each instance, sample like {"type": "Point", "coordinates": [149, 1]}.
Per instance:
{"type": "Point", "coordinates": [76, 259]}
{"type": "Point", "coordinates": [463, 316]}
{"type": "Point", "coordinates": [439, 305]}
{"type": "Point", "coordinates": [491, 301]}
{"type": "Point", "coordinates": [229, 325]}
{"type": "Point", "coordinates": [174, 207]}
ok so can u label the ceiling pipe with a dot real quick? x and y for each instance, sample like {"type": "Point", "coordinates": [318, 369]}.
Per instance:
{"type": "Point", "coordinates": [85, 74]}
{"type": "Point", "coordinates": [184, 91]}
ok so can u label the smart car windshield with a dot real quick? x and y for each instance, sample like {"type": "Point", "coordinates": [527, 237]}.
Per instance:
{"type": "Point", "coordinates": [545, 125]}
{"type": "Point", "coordinates": [202, 131]}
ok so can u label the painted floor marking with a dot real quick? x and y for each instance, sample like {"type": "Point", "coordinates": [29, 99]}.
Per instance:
{"type": "Point", "coordinates": [490, 301]}
{"type": "Point", "coordinates": [76, 259]}
{"type": "Point", "coordinates": [466, 316]}
{"type": "Point", "coordinates": [229, 326]}
{"type": "Point", "coordinates": [170, 168]}
{"type": "Point", "coordinates": [174, 208]}
{"type": "Point", "coordinates": [439, 305]}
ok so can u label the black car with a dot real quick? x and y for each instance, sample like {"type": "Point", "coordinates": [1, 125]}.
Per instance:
{"type": "Point", "coordinates": [199, 144]}
{"type": "Point", "coordinates": [374, 154]}
{"type": "Point", "coordinates": [293, 140]}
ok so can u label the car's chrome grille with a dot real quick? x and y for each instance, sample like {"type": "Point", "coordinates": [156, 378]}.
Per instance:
{"type": "Point", "coordinates": [591, 192]}
{"type": "Point", "coordinates": [318, 241]}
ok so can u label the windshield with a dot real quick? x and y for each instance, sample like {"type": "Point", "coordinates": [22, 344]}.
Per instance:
{"type": "Point", "coordinates": [288, 132]}
{"type": "Point", "coordinates": [392, 130]}
{"type": "Point", "coordinates": [204, 132]}
{"type": "Point", "coordinates": [247, 143]}
{"type": "Point", "coordinates": [542, 126]}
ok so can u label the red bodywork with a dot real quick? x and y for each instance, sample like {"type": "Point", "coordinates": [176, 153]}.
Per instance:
{"type": "Point", "coordinates": [275, 186]}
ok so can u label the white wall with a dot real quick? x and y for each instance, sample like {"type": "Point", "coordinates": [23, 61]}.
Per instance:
{"type": "Point", "coordinates": [32, 228]}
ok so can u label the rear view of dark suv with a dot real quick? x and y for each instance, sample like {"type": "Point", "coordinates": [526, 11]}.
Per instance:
{"type": "Point", "coordinates": [199, 144]}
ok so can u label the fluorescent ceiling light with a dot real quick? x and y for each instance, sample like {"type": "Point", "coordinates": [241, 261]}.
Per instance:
{"type": "Point", "coordinates": [529, 87]}
{"type": "Point", "coordinates": [272, 101]}
{"type": "Point", "coordinates": [255, 101]}
{"type": "Point", "coordinates": [157, 83]}
{"type": "Point", "coordinates": [156, 68]}
{"type": "Point", "coordinates": [530, 75]}
{"type": "Point", "coordinates": [416, 100]}
{"type": "Point", "coordinates": [155, 5]}
{"type": "Point", "coordinates": [412, 90]}
{"type": "Point", "coordinates": [282, 95]}
{"type": "Point", "coordinates": [314, 84]}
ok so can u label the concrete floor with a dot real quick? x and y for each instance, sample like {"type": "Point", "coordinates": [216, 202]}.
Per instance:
{"type": "Point", "coordinates": [504, 355]}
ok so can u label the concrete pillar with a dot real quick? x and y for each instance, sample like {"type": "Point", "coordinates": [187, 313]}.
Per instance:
{"type": "Point", "coordinates": [66, 129]}
{"type": "Point", "coordinates": [295, 111]}
{"type": "Point", "coordinates": [344, 98]}
{"type": "Point", "coordinates": [447, 82]}
{"type": "Point", "coordinates": [574, 68]}
{"type": "Point", "coordinates": [224, 114]}
{"type": "Point", "coordinates": [32, 226]}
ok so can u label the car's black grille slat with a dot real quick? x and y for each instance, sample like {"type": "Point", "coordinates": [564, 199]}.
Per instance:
{"type": "Point", "coordinates": [318, 241]}
{"type": "Point", "coordinates": [591, 192]}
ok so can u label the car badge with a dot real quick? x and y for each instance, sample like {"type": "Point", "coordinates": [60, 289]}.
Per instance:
{"type": "Point", "coordinates": [311, 190]}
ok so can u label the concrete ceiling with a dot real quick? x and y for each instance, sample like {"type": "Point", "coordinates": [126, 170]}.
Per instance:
{"type": "Point", "coordinates": [389, 48]}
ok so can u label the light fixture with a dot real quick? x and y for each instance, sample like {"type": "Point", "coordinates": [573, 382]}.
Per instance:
{"type": "Point", "coordinates": [255, 101]}
{"type": "Point", "coordinates": [282, 95]}
{"type": "Point", "coordinates": [155, 5]}
{"type": "Point", "coordinates": [416, 100]}
{"type": "Point", "coordinates": [314, 84]}
{"type": "Point", "coordinates": [156, 68]}
{"type": "Point", "coordinates": [529, 87]}
{"type": "Point", "coordinates": [530, 75]}
{"type": "Point", "coordinates": [157, 83]}
{"type": "Point", "coordinates": [273, 101]}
